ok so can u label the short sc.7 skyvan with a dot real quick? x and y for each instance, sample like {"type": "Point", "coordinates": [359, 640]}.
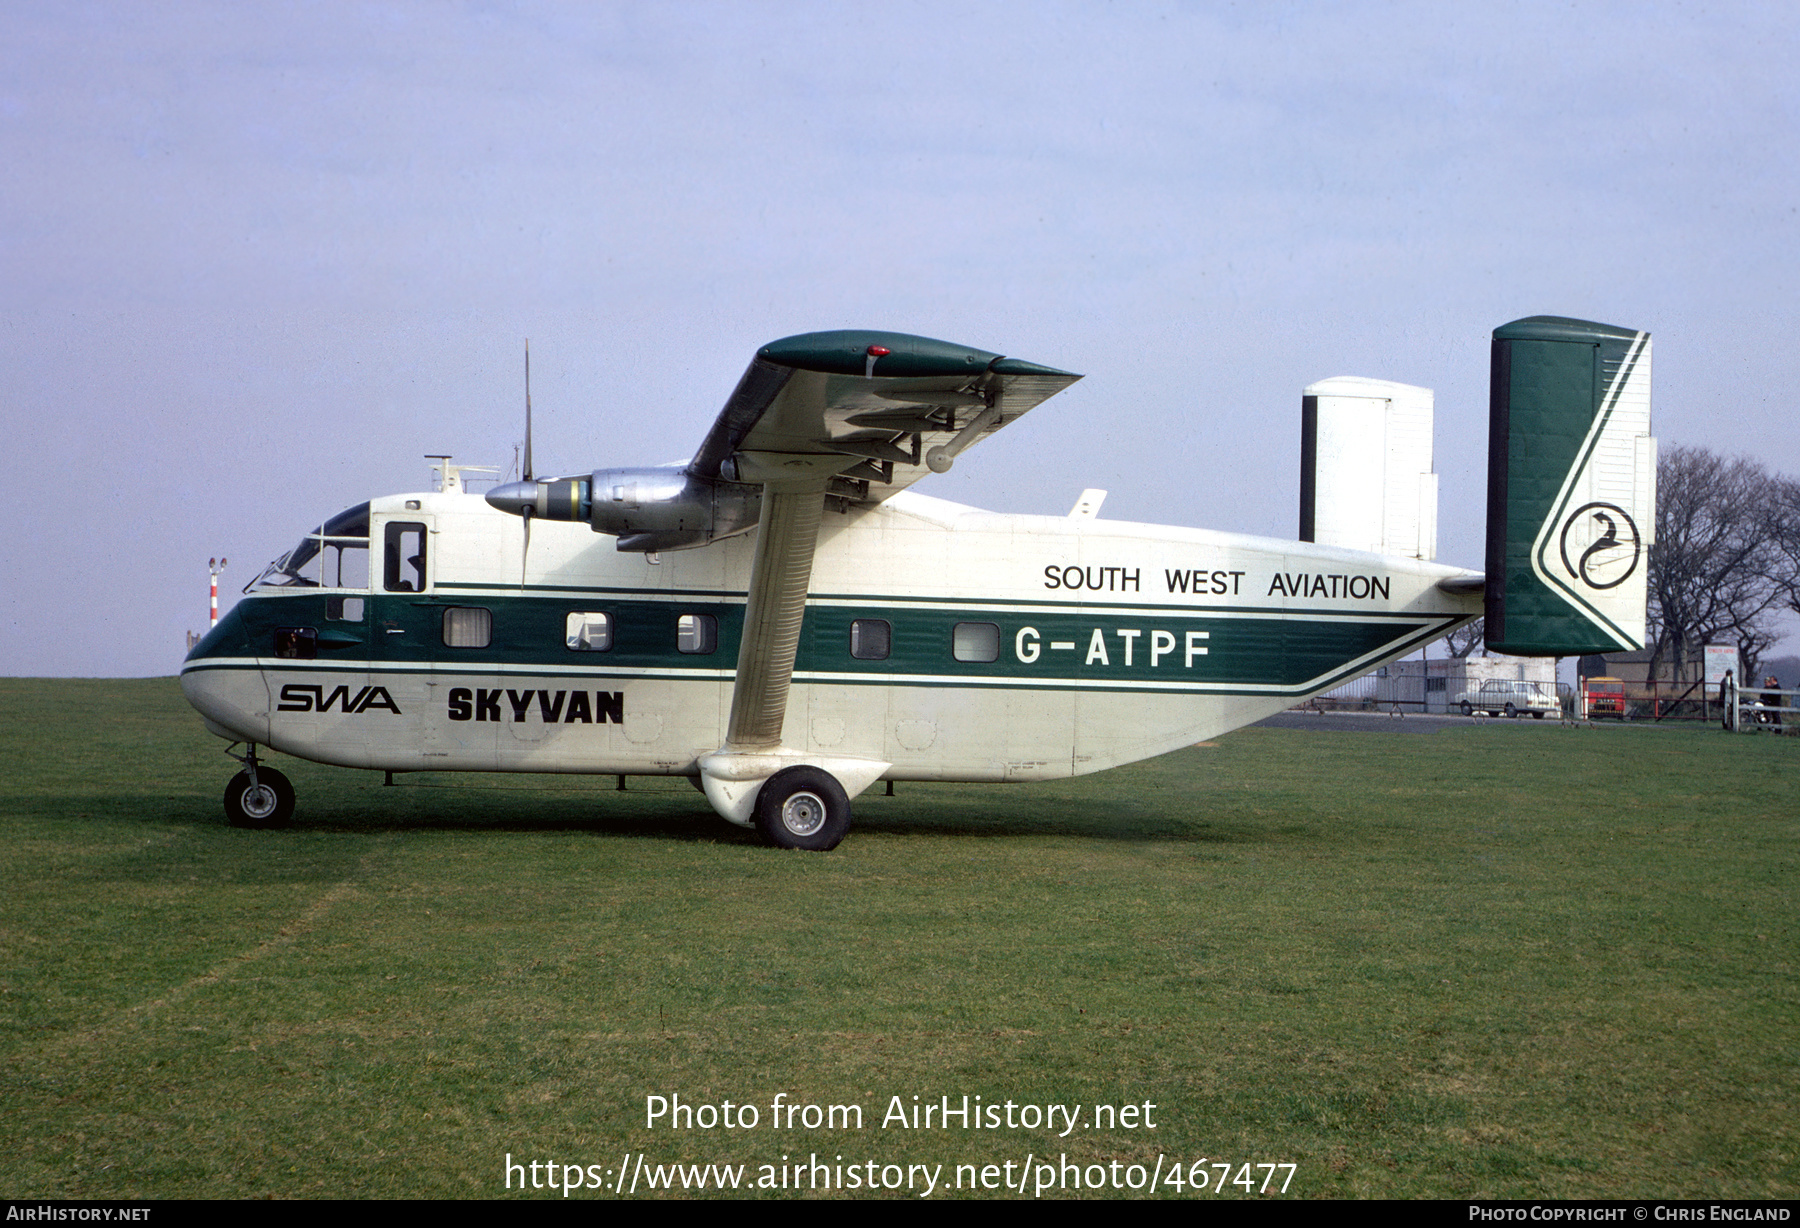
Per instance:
{"type": "Point", "coordinates": [784, 622]}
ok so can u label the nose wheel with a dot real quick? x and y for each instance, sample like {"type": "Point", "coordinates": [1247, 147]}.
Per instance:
{"type": "Point", "coordinates": [258, 796]}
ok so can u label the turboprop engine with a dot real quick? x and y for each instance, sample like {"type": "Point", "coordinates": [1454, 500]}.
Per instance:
{"type": "Point", "coordinates": [663, 508]}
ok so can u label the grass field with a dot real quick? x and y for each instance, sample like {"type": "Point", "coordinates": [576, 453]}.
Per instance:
{"type": "Point", "coordinates": [1491, 962]}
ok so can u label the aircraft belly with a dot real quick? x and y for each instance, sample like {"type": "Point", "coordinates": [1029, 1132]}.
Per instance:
{"type": "Point", "coordinates": [1115, 729]}
{"type": "Point", "coordinates": [936, 732]}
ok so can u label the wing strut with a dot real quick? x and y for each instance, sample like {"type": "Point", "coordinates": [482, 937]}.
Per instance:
{"type": "Point", "coordinates": [786, 537]}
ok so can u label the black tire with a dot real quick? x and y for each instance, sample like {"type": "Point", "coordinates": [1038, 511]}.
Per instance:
{"type": "Point", "coordinates": [269, 804]}
{"type": "Point", "coordinates": [1512, 713]}
{"type": "Point", "coordinates": [803, 808]}
{"type": "Point", "coordinates": [1468, 708]}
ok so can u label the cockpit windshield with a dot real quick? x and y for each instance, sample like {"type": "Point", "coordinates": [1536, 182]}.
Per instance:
{"type": "Point", "coordinates": [335, 555]}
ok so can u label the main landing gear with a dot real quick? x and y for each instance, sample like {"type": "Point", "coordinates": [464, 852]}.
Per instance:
{"type": "Point", "coordinates": [258, 796]}
{"type": "Point", "coordinates": [803, 808]}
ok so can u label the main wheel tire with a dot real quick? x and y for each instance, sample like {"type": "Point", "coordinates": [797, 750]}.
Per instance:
{"type": "Point", "coordinates": [268, 803]}
{"type": "Point", "coordinates": [803, 808]}
{"type": "Point", "coordinates": [1468, 708]}
{"type": "Point", "coordinates": [1512, 713]}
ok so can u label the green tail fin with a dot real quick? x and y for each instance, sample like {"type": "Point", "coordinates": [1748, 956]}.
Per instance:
{"type": "Point", "coordinates": [1571, 488]}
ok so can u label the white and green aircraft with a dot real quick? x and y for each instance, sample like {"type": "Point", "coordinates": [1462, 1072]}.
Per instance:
{"type": "Point", "coordinates": [783, 622]}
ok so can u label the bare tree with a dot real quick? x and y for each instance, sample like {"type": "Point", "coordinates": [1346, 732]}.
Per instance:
{"type": "Point", "coordinates": [1716, 566]}
{"type": "Point", "coordinates": [1465, 640]}
{"type": "Point", "coordinates": [1783, 528]}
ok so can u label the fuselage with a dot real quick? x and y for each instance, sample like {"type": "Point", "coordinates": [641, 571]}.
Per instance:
{"type": "Point", "coordinates": [948, 642]}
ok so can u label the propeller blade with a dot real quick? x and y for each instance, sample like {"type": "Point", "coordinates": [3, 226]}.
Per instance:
{"type": "Point", "coordinates": [525, 555]}
{"type": "Point", "coordinates": [530, 472]}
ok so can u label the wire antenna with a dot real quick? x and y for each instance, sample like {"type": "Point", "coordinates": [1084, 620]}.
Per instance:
{"type": "Point", "coordinates": [530, 474]}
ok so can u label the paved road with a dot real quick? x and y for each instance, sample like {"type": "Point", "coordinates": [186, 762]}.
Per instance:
{"type": "Point", "coordinates": [1375, 722]}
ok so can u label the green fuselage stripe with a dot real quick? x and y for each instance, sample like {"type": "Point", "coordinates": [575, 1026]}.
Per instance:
{"type": "Point", "coordinates": [1034, 644]}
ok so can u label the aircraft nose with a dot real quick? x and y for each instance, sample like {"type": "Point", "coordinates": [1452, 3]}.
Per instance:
{"type": "Point", "coordinates": [514, 498]}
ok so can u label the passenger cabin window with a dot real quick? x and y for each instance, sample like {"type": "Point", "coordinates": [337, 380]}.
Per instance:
{"type": "Point", "coordinates": [403, 555]}
{"type": "Point", "coordinates": [871, 639]}
{"type": "Point", "coordinates": [975, 642]}
{"type": "Point", "coordinates": [468, 627]}
{"type": "Point", "coordinates": [589, 632]}
{"type": "Point", "coordinates": [344, 609]}
{"type": "Point", "coordinates": [697, 634]}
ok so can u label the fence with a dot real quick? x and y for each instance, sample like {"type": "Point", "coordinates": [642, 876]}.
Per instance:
{"type": "Point", "coordinates": [1434, 686]}
{"type": "Point", "coordinates": [1426, 686]}
{"type": "Point", "coordinates": [1761, 709]}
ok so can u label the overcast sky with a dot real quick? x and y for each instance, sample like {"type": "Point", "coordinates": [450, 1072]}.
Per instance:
{"type": "Point", "coordinates": [257, 260]}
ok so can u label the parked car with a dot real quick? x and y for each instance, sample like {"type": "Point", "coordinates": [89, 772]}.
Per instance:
{"type": "Point", "coordinates": [1510, 697]}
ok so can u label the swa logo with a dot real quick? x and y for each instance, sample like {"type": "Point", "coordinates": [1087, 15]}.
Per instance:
{"type": "Point", "coordinates": [1601, 545]}
{"type": "Point", "coordinates": [298, 697]}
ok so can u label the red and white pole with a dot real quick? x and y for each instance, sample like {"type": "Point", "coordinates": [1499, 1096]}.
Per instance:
{"type": "Point", "coordinates": [215, 566]}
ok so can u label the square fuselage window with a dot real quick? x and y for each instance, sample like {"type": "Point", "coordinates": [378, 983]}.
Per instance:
{"type": "Point", "coordinates": [871, 639]}
{"type": "Point", "coordinates": [697, 634]}
{"type": "Point", "coordinates": [977, 642]}
{"type": "Point", "coordinates": [468, 627]}
{"type": "Point", "coordinates": [588, 631]}
{"type": "Point", "coordinates": [297, 643]}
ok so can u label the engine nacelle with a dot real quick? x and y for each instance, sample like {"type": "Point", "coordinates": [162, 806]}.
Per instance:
{"type": "Point", "coordinates": [668, 508]}
{"type": "Point", "coordinates": [662, 508]}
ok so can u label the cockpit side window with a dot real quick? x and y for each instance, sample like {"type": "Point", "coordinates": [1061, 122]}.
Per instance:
{"type": "Point", "coordinates": [345, 564]}
{"type": "Point", "coordinates": [334, 555]}
{"type": "Point", "coordinates": [403, 558]}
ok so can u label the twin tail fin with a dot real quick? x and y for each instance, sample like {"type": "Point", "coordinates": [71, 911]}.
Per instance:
{"type": "Point", "coordinates": [1571, 488]}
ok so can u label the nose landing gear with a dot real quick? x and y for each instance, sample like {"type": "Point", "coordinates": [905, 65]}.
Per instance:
{"type": "Point", "coordinates": [258, 796]}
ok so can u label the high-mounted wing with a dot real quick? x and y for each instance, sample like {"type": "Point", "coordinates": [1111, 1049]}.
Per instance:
{"type": "Point", "coordinates": [874, 411]}
{"type": "Point", "coordinates": [856, 415]}
{"type": "Point", "coordinates": [849, 416]}
{"type": "Point", "coordinates": [864, 413]}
